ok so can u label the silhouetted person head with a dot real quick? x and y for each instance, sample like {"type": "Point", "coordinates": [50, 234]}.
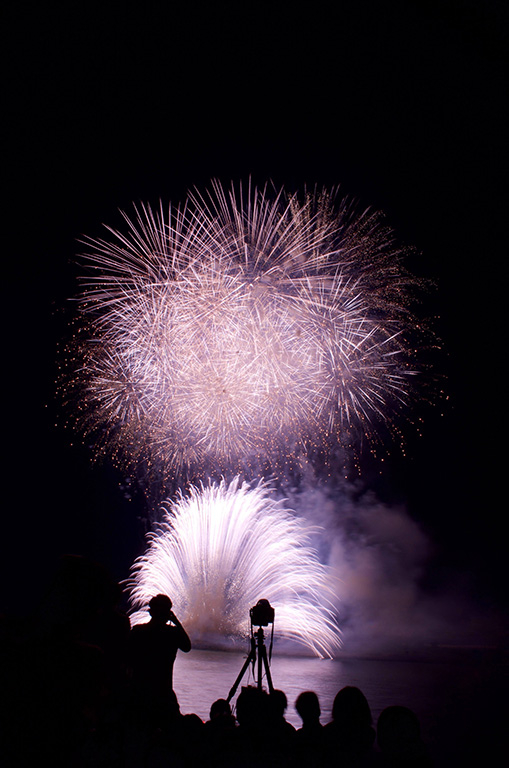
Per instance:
{"type": "Point", "coordinates": [278, 703]}
{"type": "Point", "coordinates": [160, 609]}
{"type": "Point", "coordinates": [220, 708]}
{"type": "Point", "coordinates": [252, 706]}
{"type": "Point", "coordinates": [308, 707]}
{"type": "Point", "coordinates": [191, 725]}
{"type": "Point", "coordinates": [351, 708]}
{"type": "Point", "coordinates": [399, 737]}
{"type": "Point", "coordinates": [350, 735]}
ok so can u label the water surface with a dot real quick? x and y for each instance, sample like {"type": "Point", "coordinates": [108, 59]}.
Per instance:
{"type": "Point", "coordinates": [458, 701]}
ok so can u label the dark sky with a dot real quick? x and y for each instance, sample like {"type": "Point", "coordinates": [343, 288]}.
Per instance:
{"type": "Point", "coordinates": [403, 104]}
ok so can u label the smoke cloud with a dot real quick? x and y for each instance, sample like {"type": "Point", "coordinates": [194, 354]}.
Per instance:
{"type": "Point", "coordinates": [379, 558]}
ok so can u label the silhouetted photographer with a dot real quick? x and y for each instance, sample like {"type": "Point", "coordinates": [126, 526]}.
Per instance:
{"type": "Point", "coordinates": [152, 650]}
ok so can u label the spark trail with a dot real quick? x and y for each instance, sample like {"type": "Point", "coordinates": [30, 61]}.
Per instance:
{"type": "Point", "coordinates": [241, 331]}
{"type": "Point", "coordinates": [221, 548]}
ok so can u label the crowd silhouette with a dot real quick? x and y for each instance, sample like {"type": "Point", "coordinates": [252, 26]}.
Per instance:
{"type": "Point", "coordinates": [81, 688]}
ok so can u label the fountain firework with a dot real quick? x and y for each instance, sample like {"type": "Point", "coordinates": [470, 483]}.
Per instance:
{"type": "Point", "coordinates": [242, 333]}
{"type": "Point", "coordinates": [221, 548]}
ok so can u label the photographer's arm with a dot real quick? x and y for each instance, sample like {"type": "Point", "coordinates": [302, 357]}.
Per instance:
{"type": "Point", "coordinates": [184, 639]}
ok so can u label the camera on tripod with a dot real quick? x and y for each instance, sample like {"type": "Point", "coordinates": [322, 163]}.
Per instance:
{"type": "Point", "coordinates": [262, 614]}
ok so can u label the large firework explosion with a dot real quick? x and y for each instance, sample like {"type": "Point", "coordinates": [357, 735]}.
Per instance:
{"type": "Point", "coordinates": [221, 548]}
{"type": "Point", "coordinates": [242, 331]}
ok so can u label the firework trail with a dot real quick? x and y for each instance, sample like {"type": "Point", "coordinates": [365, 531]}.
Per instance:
{"type": "Point", "coordinates": [219, 550]}
{"type": "Point", "coordinates": [242, 331]}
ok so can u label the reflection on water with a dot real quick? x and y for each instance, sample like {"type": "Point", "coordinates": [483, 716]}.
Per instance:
{"type": "Point", "coordinates": [203, 676]}
{"type": "Point", "coordinates": [445, 696]}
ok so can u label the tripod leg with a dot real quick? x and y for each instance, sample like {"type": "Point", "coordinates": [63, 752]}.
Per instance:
{"type": "Point", "coordinates": [251, 658]}
{"type": "Point", "coordinates": [260, 651]}
{"type": "Point", "coordinates": [263, 655]}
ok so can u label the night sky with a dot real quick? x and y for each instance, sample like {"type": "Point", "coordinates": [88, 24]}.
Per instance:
{"type": "Point", "coordinates": [402, 104]}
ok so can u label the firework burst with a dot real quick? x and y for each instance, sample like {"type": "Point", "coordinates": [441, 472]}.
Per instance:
{"type": "Point", "coordinates": [242, 331]}
{"type": "Point", "coordinates": [223, 547]}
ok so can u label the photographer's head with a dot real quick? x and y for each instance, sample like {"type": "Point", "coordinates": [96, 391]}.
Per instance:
{"type": "Point", "coordinates": [160, 609]}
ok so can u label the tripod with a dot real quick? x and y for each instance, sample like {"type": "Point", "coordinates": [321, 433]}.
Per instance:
{"type": "Point", "coordinates": [257, 644]}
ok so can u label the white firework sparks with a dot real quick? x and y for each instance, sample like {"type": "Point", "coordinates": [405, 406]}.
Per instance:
{"type": "Point", "coordinates": [241, 330]}
{"type": "Point", "coordinates": [222, 548]}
